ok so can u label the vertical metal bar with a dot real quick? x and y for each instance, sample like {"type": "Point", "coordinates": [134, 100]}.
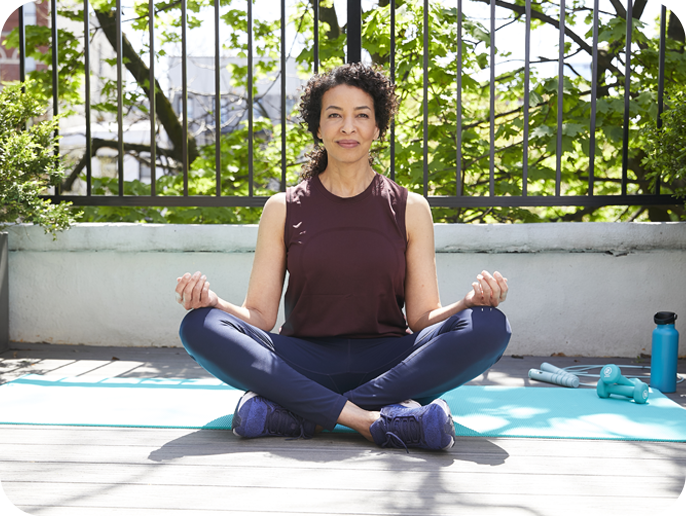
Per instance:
{"type": "Point", "coordinates": [627, 93]}
{"type": "Point", "coordinates": [316, 37]}
{"type": "Point", "coordinates": [22, 49]}
{"type": "Point", "coordinates": [283, 96]}
{"type": "Point", "coordinates": [251, 171]}
{"type": "Point", "coordinates": [661, 73]}
{"type": "Point", "coordinates": [527, 100]}
{"type": "Point", "coordinates": [354, 31]}
{"type": "Point", "coordinates": [594, 102]}
{"type": "Point", "coordinates": [425, 89]}
{"type": "Point", "coordinates": [661, 79]}
{"type": "Point", "coordinates": [392, 66]}
{"type": "Point", "coordinates": [217, 104]}
{"type": "Point", "coordinates": [87, 88]}
{"type": "Point", "coordinates": [458, 109]}
{"type": "Point", "coordinates": [55, 74]}
{"type": "Point", "coordinates": [55, 56]}
{"type": "Point", "coordinates": [560, 97]}
{"type": "Point", "coordinates": [184, 93]}
{"type": "Point", "coordinates": [153, 103]}
{"type": "Point", "coordinates": [22, 45]}
{"type": "Point", "coordinates": [492, 106]}
{"type": "Point", "coordinates": [120, 102]}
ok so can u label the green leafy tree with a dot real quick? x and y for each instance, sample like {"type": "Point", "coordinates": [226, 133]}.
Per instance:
{"type": "Point", "coordinates": [443, 155]}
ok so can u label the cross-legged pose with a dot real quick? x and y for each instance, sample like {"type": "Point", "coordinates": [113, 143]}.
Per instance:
{"type": "Point", "coordinates": [358, 249]}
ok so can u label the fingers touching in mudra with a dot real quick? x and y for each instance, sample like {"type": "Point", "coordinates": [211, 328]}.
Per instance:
{"type": "Point", "coordinates": [193, 291]}
{"type": "Point", "coordinates": [487, 290]}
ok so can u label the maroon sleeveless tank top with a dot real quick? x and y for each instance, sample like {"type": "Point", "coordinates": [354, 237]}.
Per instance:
{"type": "Point", "coordinates": [346, 261]}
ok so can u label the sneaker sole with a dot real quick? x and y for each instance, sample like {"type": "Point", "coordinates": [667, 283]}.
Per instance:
{"type": "Point", "coordinates": [450, 425]}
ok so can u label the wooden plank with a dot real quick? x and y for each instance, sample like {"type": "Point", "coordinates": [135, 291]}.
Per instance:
{"type": "Point", "coordinates": [114, 511]}
{"type": "Point", "coordinates": [485, 448]}
{"type": "Point", "coordinates": [78, 368]}
{"type": "Point", "coordinates": [115, 368]}
{"type": "Point", "coordinates": [362, 459]}
{"type": "Point", "coordinates": [562, 484]}
{"type": "Point", "coordinates": [16, 368]}
{"type": "Point", "coordinates": [425, 499]}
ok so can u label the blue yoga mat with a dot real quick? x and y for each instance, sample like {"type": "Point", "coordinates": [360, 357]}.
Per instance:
{"type": "Point", "coordinates": [535, 412]}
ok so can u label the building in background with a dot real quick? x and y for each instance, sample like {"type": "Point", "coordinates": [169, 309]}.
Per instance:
{"type": "Point", "coordinates": [234, 108]}
{"type": "Point", "coordinates": [34, 14]}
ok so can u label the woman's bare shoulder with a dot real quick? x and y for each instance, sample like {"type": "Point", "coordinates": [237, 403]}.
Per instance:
{"type": "Point", "coordinates": [418, 217]}
{"type": "Point", "coordinates": [278, 199]}
{"type": "Point", "coordinates": [274, 208]}
{"type": "Point", "coordinates": [416, 201]}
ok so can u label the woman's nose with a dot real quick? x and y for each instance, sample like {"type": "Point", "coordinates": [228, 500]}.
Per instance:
{"type": "Point", "coordinates": [348, 125]}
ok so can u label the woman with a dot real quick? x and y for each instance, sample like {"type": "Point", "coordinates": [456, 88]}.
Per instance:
{"type": "Point", "coordinates": [358, 249]}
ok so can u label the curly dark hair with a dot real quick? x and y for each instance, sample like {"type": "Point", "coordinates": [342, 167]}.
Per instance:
{"type": "Point", "coordinates": [370, 80]}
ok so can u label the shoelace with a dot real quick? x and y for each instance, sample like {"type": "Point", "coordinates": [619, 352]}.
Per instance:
{"type": "Point", "coordinates": [390, 435]}
{"type": "Point", "coordinates": [279, 423]}
{"type": "Point", "coordinates": [407, 426]}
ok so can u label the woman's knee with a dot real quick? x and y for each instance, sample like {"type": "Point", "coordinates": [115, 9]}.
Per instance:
{"type": "Point", "coordinates": [493, 327]}
{"type": "Point", "coordinates": [204, 330]}
{"type": "Point", "coordinates": [194, 320]}
{"type": "Point", "coordinates": [492, 317]}
{"type": "Point", "coordinates": [193, 329]}
{"type": "Point", "coordinates": [485, 326]}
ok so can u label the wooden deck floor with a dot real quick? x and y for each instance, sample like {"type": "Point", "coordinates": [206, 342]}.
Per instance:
{"type": "Point", "coordinates": [68, 471]}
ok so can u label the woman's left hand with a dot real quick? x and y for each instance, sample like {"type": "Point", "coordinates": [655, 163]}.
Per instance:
{"type": "Point", "coordinates": [488, 290]}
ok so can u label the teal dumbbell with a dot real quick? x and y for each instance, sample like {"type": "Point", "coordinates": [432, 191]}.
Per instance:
{"type": "Point", "coordinates": [612, 382]}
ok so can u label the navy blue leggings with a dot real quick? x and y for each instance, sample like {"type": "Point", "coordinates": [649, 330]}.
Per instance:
{"type": "Point", "coordinates": [315, 377]}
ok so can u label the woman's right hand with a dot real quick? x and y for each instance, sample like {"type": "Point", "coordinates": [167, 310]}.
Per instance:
{"type": "Point", "coordinates": [193, 291]}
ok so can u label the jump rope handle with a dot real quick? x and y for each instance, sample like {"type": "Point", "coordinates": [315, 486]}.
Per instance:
{"type": "Point", "coordinates": [551, 374]}
{"type": "Point", "coordinates": [550, 368]}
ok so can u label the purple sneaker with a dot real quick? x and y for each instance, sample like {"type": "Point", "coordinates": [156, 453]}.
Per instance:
{"type": "Point", "coordinates": [430, 427]}
{"type": "Point", "coordinates": [256, 416]}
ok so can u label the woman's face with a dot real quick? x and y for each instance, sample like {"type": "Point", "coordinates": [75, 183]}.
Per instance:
{"type": "Point", "coordinates": [347, 124]}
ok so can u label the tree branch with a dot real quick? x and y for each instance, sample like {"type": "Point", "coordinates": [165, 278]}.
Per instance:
{"type": "Point", "coordinates": [521, 10]}
{"type": "Point", "coordinates": [621, 10]}
{"type": "Point", "coordinates": [99, 143]}
{"type": "Point", "coordinates": [328, 15]}
{"type": "Point", "coordinates": [141, 73]}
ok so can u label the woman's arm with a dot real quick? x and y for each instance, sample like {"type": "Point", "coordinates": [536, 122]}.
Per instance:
{"type": "Point", "coordinates": [261, 304]}
{"type": "Point", "coordinates": [422, 302]}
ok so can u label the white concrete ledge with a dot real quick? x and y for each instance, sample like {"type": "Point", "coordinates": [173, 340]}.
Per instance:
{"type": "Point", "coordinates": [571, 237]}
{"type": "Point", "coordinates": [137, 238]}
{"type": "Point", "coordinates": [450, 238]}
{"type": "Point", "coordinates": [587, 289]}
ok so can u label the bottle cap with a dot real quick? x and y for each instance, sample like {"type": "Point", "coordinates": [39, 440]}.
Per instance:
{"type": "Point", "coordinates": [665, 318]}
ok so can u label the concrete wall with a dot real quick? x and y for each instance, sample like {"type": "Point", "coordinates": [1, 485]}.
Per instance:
{"type": "Point", "coordinates": [579, 289]}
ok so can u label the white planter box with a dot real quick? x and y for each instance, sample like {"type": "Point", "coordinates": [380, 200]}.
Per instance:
{"type": "Point", "coordinates": [4, 295]}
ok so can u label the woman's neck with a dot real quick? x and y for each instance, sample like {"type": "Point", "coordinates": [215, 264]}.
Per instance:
{"type": "Point", "coordinates": [347, 182]}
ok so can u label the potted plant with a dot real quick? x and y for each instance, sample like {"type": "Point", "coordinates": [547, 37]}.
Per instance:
{"type": "Point", "coordinates": [28, 166]}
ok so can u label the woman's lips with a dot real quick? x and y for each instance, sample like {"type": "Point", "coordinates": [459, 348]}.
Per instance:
{"type": "Point", "coordinates": [348, 144]}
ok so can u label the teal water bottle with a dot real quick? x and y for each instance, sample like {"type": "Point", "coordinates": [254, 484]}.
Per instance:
{"type": "Point", "coordinates": [665, 353]}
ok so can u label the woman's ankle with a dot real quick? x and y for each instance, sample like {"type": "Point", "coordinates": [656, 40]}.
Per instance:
{"type": "Point", "coordinates": [358, 419]}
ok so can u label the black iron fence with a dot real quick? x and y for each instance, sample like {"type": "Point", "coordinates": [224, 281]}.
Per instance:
{"type": "Point", "coordinates": [354, 52]}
